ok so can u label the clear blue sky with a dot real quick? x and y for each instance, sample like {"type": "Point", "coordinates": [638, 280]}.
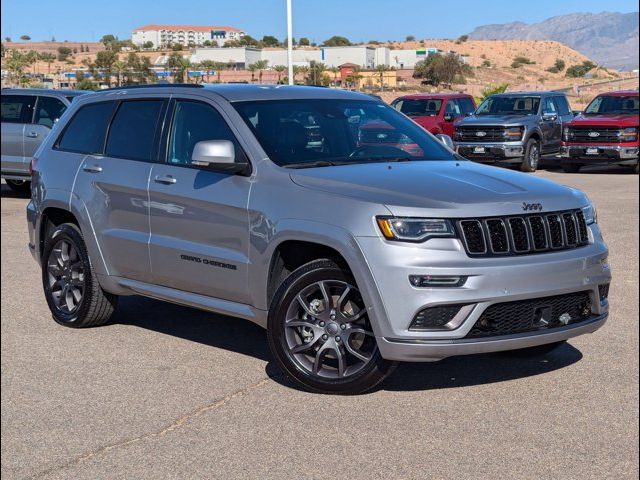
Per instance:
{"type": "Point", "coordinates": [359, 20]}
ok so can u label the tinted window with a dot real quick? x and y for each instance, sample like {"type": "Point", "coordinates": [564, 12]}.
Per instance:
{"type": "Point", "coordinates": [48, 110]}
{"type": "Point", "coordinates": [418, 108]}
{"type": "Point", "coordinates": [466, 105]}
{"type": "Point", "coordinates": [502, 105]}
{"type": "Point", "coordinates": [299, 133]}
{"type": "Point", "coordinates": [624, 105]}
{"type": "Point", "coordinates": [17, 108]}
{"type": "Point", "coordinates": [563, 106]}
{"type": "Point", "coordinates": [453, 108]}
{"type": "Point", "coordinates": [194, 122]}
{"type": "Point", "coordinates": [549, 106]}
{"type": "Point", "coordinates": [86, 131]}
{"type": "Point", "coordinates": [133, 130]}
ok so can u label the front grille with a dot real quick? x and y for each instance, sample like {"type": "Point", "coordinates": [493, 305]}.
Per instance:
{"type": "Point", "coordinates": [532, 315]}
{"type": "Point", "coordinates": [480, 134]}
{"type": "Point", "coordinates": [524, 234]}
{"type": "Point", "coordinates": [594, 134]}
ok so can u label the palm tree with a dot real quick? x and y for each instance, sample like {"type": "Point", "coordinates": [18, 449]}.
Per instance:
{"type": "Point", "coordinates": [260, 65]}
{"type": "Point", "coordinates": [119, 67]}
{"type": "Point", "coordinates": [315, 73]}
{"type": "Point", "coordinates": [381, 69]}
{"type": "Point", "coordinates": [178, 66]}
{"type": "Point", "coordinates": [280, 69]}
{"type": "Point", "coordinates": [303, 69]}
{"type": "Point", "coordinates": [48, 58]}
{"type": "Point", "coordinates": [335, 71]}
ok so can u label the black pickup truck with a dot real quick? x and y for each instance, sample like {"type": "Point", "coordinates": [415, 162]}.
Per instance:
{"type": "Point", "coordinates": [515, 128]}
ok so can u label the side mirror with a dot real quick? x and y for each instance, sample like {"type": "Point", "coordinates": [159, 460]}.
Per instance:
{"type": "Point", "coordinates": [549, 117]}
{"type": "Point", "coordinates": [217, 155]}
{"type": "Point", "coordinates": [446, 139]}
{"type": "Point", "coordinates": [448, 117]}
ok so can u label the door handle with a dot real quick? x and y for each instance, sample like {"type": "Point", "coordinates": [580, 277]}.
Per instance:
{"type": "Point", "coordinates": [92, 168]}
{"type": "Point", "coordinates": [32, 134]}
{"type": "Point", "coordinates": [166, 179]}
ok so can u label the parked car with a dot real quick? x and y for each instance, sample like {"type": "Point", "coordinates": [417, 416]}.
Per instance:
{"type": "Point", "coordinates": [437, 113]}
{"type": "Point", "coordinates": [514, 128]}
{"type": "Point", "coordinates": [353, 256]}
{"type": "Point", "coordinates": [27, 117]}
{"type": "Point", "coordinates": [605, 133]}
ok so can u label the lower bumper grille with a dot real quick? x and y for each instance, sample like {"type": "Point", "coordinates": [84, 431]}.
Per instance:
{"type": "Point", "coordinates": [532, 315]}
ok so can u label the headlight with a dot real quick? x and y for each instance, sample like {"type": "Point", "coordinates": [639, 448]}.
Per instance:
{"type": "Point", "coordinates": [590, 214]}
{"type": "Point", "coordinates": [513, 133]}
{"type": "Point", "coordinates": [414, 229]}
{"type": "Point", "coordinates": [629, 134]}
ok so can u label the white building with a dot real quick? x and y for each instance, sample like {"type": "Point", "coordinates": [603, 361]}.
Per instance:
{"type": "Point", "coordinates": [187, 35]}
{"type": "Point", "coordinates": [364, 57]}
{"type": "Point", "coordinates": [236, 57]}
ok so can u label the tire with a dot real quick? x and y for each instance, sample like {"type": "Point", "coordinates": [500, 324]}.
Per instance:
{"type": "Point", "coordinates": [23, 187]}
{"type": "Point", "coordinates": [532, 352]}
{"type": "Point", "coordinates": [67, 269]}
{"type": "Point", "coordinates": [324, 350]}
{"type": "Point", "coordinates": [531, 158]}
{"type": "Point", "coordinates": [570, 167]}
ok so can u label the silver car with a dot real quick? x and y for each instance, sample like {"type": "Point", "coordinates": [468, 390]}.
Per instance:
{"type": "Point", "coordinates": [377, 245]}
{"type": "Point", "coordinates": [27, 118]}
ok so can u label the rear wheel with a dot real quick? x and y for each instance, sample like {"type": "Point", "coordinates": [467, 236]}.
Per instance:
{"type": "Point", "coordinates": [70, 286]}
{"type": "Point", "coordinates": [531, 156]}
{"type": "Point", "coordinates": [22, 187]}
{"type": "Point", "coordinates": [536, 351]}
{"type": "Point", "coordinates": [320, 334]}
{"type": "Point", "coordinates": [570, 167]}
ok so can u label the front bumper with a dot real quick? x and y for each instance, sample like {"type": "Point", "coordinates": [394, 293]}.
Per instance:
{"type": "Point", "coordinates": [503, 151]}
{"type": "Point", "coordinates": [625, 154]}
{"type": "Point", "coordinates": [489, 281]}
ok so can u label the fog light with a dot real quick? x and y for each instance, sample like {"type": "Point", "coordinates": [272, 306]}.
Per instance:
{"type": "Point", "coordinates": [436, 280]}
{"type": "Point", "coordinates": [440, 317]}
{"type": "Point", "coordinates": [603, 290]}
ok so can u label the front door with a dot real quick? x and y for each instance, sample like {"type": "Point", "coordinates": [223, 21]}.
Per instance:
{"type": "Point", "coordinates": [551, 126]}
{"type": "Point", "coordinates": [198, 217]}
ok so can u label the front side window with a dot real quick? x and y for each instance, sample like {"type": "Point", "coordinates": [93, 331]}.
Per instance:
{"type": "Point", "coordinates": [86, 131]}
{"type": "Point", "coordinates": [133, 130]}
{"type": "Point", "coordinates": [504, 105]}
{"type": "Point", "coordinates": [466, 105]}
{"type": "Point", "coordinates": [48, 111]}
{"type": "Point", "coordinates": [17, 108]}
{"type": "Point", "coordinates": [194, 122]}
{"type": "Point", "coordinates": [563, 106]}
{"type": "Point", "coordinates": [613, 104]}
{"type": "Point", "coordinates": [549, 106]}
{"type": "Point", "coordinates": [418, 108]}
{"type": "Point", "coordinates": [304, 133]}
{"type": "Point", "coordinates": [453, 108]}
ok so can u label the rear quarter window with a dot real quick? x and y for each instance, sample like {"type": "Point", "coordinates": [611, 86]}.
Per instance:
{"type": "Point", "coordinates": [87, 129]}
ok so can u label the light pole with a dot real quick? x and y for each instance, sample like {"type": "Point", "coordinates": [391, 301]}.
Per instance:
{"type": "Point", "coordinates": [289, 42]}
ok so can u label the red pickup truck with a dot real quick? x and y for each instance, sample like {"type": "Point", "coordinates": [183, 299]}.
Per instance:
{"type": "Point", "coordinates": [605, 133]}
{"type": "Point", "coordinates": [436, 112]}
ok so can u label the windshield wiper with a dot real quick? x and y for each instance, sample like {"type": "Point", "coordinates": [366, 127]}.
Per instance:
{"type": "Point", "coordinates": [318, 163]}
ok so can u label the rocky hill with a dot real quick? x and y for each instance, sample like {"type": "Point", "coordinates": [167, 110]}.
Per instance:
{"type": "Point", "coordinates": [609, 38]}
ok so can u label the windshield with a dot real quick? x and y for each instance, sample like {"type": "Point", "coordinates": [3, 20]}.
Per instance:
{"type": "Point", "coordinates": [610, 104]}
{"type": "Point", "coordinates": [418, 108]}
{"type": "Point", "coordinates": [509, 106]}
{"type": "Point", "coordinates": [308, 133]}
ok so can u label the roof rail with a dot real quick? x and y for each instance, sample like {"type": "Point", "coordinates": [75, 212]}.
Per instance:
{"type": "Point", "coordinates": [154, 85]}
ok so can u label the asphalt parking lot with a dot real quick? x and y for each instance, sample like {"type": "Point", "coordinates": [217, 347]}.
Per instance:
{"type": "Point", "coordinates": [170, 392]}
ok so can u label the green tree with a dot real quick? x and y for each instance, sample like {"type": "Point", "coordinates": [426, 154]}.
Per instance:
{"type": "Point", "coordinates": [270, 41]}
{"type": "Point", "coordinates": [25, 38]}
{"type": "Point", "coordinates": [104, 62]}
{"type": "Point", "coordinates": [304, 42]}
{"type": "Point", "coordinates": [520, 60]}
{"type": "Point", "coordinates": [148, 45]}
{"type": "Point", "coordinates": [577, 71]}
{"type": "Point", "coordinates": [119, 67]}
{"type": "Point", "coordinates": [86, 84]}
{"type": "Point", "coordinates": [441, 69]}
{"type": "Point", "coordinates": [280, 69]}
{"type": "Point", "coordinates": [410, 38]}
{"type": "Point", "coordinates": [462, 38]}
{"type": "Point", "coordinates": [493, 90]}
{"type": "Point", "coordinates": [176, 47]}
{"type": "Point", "coordinates": [259, 67]}
{"type": "Point", "coordinates": [382, 69]}
{"type": "Point", "coordinates": [63, 53]}
{"type": "Point", "coordinates": [48, 58]}
{"type": "Point", "coordinates": [336, 41]}
{"type": "Point", "coordinates": [178, 66]}
{"type": "Point", "coordinates": [315, 75]}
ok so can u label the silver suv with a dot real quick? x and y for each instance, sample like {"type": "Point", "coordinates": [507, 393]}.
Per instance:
{"type": "Point", "coordinates": [357, 243]}
{"type": "Point", "coordinates": [27, 117]}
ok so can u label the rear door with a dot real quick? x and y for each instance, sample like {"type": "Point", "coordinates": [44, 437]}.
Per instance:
{"type": "Point", "coordinates": [113, 179]}
{"type": "Point", "coordinates": [199, 219]}
{"type": "Point", "coordinates": [48, 110]}
{"type": "Point", "coordinates": [17, 113]}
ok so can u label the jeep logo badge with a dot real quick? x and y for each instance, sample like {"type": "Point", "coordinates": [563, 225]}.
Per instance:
{"type": "Point", "coordinates": [481, 134]}
{"type": "Point", "coordinates": [594, 134]}
{"type": "Point", "coordinates": [531, 207]}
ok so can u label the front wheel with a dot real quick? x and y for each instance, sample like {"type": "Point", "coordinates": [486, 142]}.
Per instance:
{"type": "Point", "coordinates": [531, 156]}
{"type": "Point", "coordinates": [320, 334]}
{"type": "Point", "coordinates": [23, 187]}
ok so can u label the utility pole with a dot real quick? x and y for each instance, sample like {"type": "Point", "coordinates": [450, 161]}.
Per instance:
{"type": "Point", "coordinates": [289, 42]}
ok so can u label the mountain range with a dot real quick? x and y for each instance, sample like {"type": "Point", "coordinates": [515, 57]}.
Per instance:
{"type": "Point", "coordinates": [608, 38]}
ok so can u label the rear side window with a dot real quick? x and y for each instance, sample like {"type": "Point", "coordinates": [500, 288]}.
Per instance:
{"type": "Point", "coordinates": [17, 108]}
{"type": "Point", "coordinates": [133, 130]}
{"type": "Point", "coordinates": [48, 111]}
{"type": "Point", "coordinates": [86, 131]}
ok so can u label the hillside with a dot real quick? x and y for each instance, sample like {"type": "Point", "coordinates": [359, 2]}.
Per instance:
{"type": "Point", "coordinates": [611, 39]}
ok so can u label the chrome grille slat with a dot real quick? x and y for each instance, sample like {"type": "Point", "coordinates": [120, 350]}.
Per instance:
{"type": "Point", "coordinates": [604, 134]}
{"type": "Point", "coordinates": [491, 134]}
{"type": "Point", "coordinates": [524, 234]}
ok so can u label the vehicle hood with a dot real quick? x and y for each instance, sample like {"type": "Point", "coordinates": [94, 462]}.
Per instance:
{"type": "Point", "coordinates": [491, 120]}
{"type": "Point", "coordinates": [449, 189]}
{"type": "Point", "coordinates": [605, 120]}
